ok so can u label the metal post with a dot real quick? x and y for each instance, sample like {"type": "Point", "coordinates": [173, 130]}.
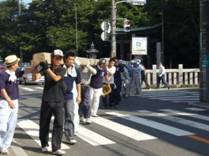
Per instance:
{"type": "Point", "coordinates": [76, 28]}
{"type": "Point", "coordinates": [113, 35]}
{"type": "Point", "coordinates": [19, 14]}
{"type": "Point", "coordinates": [162, 31]}
{"type": "Point", "coordinates": [204, 50]}
{"type": "Point", "coordinates": [19, 7]}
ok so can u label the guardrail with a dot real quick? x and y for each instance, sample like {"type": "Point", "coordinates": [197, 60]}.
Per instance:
{"type": "Point", "coordinates": [175, 77]}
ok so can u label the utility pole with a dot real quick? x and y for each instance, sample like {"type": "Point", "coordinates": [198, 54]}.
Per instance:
{"type": "Point", "coordinates": [76, 28]}
{"type": "Point", "coordinates": [162, 31]}
{"type": "Point", "coordinates": [113, 34]}
{"type": "Point", "coordinates": [204, 50]}
{"type": "Point", "coordinates": [19, 15]}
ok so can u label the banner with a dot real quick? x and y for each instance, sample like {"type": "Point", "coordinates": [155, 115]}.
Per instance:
{"type": "Point", "coordinates": [139, 45]}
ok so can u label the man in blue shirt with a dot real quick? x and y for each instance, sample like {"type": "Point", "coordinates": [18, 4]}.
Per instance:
{"type": "Point", "coordinates": [71, 77]}
{"type": "Point", "coordinates": [96, 84]}
{"type": "Point", "coordinates": [9, 95]}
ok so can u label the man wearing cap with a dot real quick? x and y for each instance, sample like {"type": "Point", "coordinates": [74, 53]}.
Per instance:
{"type": "Point", "coordinates": [96, 84]}
{"type": "Point", "coordinates": [9, 95]}
{"type": "Point", "coordinates": [52, 103]}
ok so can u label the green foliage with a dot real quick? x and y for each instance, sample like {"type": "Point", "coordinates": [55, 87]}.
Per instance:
{"type": "Point", "coordinates": [49, 24]}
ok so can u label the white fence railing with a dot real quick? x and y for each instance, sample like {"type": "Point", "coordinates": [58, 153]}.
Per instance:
{"type": "Point", "coordinates": [175, 77]}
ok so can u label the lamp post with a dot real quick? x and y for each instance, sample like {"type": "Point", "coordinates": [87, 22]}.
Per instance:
{"type": "Point", "coordinates": [92, 52]}
{"type": "Point", "coordinates": [113, 20]}
{"type": "Point", "coordinates": [113, 35]}
{"type": "Point", "coordinates": [204, 50]}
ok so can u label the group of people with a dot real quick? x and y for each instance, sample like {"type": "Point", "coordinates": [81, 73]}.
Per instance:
{"type": "Point", "coordinates": [71, 94]}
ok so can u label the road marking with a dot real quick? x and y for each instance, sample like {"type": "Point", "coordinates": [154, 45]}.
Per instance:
{"type": "Point", "coordinates": [32, 129]}
{"type": "Point", "coordinates": [28, 89]}
{"type": "Point", "coordinates": [153, 124]}
{"type": "Point", "coordinates": [176, 112]}
{"type": "Point", "coordinates": [18, 150]}
{"type": "Point", "coordinates": [93, 138]}
{"type": "Point", "coordinates": [39, 88]}
{"type": "Point", "coordinates": [181, 120]}
{"type": "Point", "coordinates": [199, 139]}
{"type": "Point", "coordinates": [195, 109]}
{"type": "Point", "coordinates": [124, 130]}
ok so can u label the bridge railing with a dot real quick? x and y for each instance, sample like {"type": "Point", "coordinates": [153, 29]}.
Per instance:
{"type": "Point", "coordinates": [175, 77]}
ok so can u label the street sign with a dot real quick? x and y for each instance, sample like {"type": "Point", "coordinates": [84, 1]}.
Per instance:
{"type": "Point", "coordinates": [138, 2]}
{"type": "Point", "coordinates": [106, 26]}
{"type": "Point", "coordinates": [104, 36]}
{"type": "Point", "coordinates": [139, 45]}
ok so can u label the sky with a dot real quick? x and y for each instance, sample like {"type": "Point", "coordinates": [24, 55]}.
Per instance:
{"type": "Point", "coordinates": [24, 1]}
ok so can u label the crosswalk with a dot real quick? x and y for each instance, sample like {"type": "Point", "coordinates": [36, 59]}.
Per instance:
{"type": "Point", "coordinates": [135, 127]}
{"type": "Point", "coordinates": [141, 118]}
{"type": "Point", "coordinates": [175, 96]}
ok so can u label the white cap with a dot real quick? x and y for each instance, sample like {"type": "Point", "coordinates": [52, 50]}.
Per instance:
{"type": "Point", "coordinates": [57, 52]}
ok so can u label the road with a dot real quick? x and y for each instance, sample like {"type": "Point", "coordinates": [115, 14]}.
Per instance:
{"type": "Point", "coordinates": [156, 123]}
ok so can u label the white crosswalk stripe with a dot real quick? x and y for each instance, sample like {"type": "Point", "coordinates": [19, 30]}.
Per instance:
{"type": "Point", "coordinates": [173, 96]}
{"type": "Point", "coordinates": [93, 138]}
{"type": "Point", "coordinates": [32, 129]}
{"type": "Point", "coordinates": [182, 121]}
{"type": "Point", "coordinates": [176, 112]}
{"type": "Point", "coordinates": [195, 109]}
{"type": "Point", "coordinates": [27, 89]}
{"type": "Point", "coordinates": [124, 130]}
{"type": "Point", "coordinates": [149, 123]}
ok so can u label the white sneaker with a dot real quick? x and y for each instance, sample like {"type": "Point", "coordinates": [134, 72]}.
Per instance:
{"type": "Point", "coordinates": [45, 149]}
{"type": "Point", "coordinates": [94, 115]}
{"type": "Point", "coordinates": [72, 141]}
{"type": "Point", "coordinates": [4, 151]}
{"type": "Point", "coordinates": [88, 120]}
{"type": "Point", "coordinates": [83, 120]}
{"type": "Point", "coordinates": [59, 152]}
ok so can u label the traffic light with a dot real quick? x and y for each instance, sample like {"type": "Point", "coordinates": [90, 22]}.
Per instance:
{"type": "Point", "coordinates": [126, 25]}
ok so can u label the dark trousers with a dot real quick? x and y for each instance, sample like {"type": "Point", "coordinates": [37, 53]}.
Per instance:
{"type": "Point", "coordinates": [47, 110]}
{"type": "Point", "coordinates": [144, 79]}
{"type": "Point", "coordinates": [116, 93]}
{"type": "Point", "coordinates": [85, 104]}
{"type": "Point", "coordinates": [161, 78]}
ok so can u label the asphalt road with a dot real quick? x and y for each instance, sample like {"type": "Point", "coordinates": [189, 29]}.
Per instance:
{"type": "Point", "coordinates": [156, 123]}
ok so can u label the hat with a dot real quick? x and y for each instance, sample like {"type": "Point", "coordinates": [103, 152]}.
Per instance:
{"type": "Point", "coordinates": [102, 61]}
{"type": "Point", "coordinates": [11, 60]}
{"type": "Point", "coordinates": [57, 52]}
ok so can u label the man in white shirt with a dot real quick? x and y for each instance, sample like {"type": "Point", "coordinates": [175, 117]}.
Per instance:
{"type": "Point", "coordinates": [161, 76]}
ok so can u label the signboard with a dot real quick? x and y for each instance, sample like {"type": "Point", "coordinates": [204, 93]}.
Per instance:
{"type": "Point", "coordinates": [138, 2]}
{"type": "Point", "coordinates": [139, 45]}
